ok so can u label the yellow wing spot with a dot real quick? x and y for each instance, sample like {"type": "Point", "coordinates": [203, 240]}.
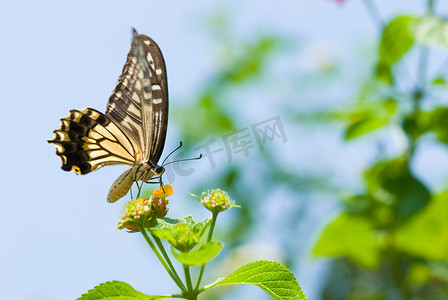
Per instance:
{"type": "Point", "coordinates": [94, 115]}
{"type": "Point", "coordinates": [88, 140]}
{"type": "Point", "coordinates": [78, 115]}
{"type": "Point", "coordinates": [66, 124]}
{"type": "Point", "coordinates": [61, 136]}
{"type": "Point", "coordinates": [59, 148]}
{"type": "Point", "coordinates": [90, 147]}
{"type": "Point", "coordinates": [76, 169]}
{"type": "Point", "coordinates": [63, 159]}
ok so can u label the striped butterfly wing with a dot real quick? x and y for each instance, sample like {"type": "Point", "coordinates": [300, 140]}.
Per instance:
{"type": "Point", "coordinates": [88, 140]}
{"type": "Point", "coordinates": [139, 103]}
{"type": "Point", "coordinates": [132, 131]}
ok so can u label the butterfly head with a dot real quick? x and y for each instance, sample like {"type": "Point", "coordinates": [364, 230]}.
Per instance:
{"type": "Point", "coordinates": [159, 170]}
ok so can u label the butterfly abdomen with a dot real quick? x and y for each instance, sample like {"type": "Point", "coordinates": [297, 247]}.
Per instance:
{"type": "Point", "coordinates": [121, 186]}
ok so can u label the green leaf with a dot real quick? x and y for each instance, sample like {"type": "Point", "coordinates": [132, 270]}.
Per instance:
{"type": "Point", "coordinates": [383, 72]}
{"type": "Point", "coordinates": [396, 39]}
{"type": "Point", "coordinates": [250, 62]}
{"type": "Point", "coordinates": [274, 278]}
{"type": "Point", "coordinates": [199, 255]}
{"type": "Point", "coordinates": [426, 234]}
{"type": "Point", "coordinates": [352, 237]}
{"type": "Point", "coordinates": [116, 290]}
{"type": "Point", "coordinates": [412, 127]}
{"type": "Point", "coordinates": [183, 234]}
{"type": "Point", "coordinates": [439, 80]}
{"type": "Point", "coordinates": [363, 126]}
{"type": "Point", "coordinates": [437, 122]}
{"type": "Point", "coordinates": [370, 116]}
{"type": "Point", "coordinates": [391, 183]}
{"type": "Point", "coordinates": [431, 31]}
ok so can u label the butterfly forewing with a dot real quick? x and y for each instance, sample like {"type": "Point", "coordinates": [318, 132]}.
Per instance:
{"type": "Point", "coordinates": [139, 102]}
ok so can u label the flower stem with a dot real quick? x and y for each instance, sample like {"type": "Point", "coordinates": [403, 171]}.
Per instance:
{"type": "Point", "coordinates": [167, 259]}
{"type": "Point", "coordinates": [151, 244]}
{"type": "Point", "coordinates": [209, 238]}
{"type": "Point", "coordinates": [188, 278]}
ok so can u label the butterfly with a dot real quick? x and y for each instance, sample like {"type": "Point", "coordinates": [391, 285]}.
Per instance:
{"type": "Point", "coordinates": [133, 129]}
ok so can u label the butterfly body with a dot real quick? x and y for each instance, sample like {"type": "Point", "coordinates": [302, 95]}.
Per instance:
{"type": "Point", "coordinates": [133, 129]}
{"type": "Point", "coordinates": [138, 172]}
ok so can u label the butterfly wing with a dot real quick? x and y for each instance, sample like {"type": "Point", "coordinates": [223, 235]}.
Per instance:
{"type": "Point", "coordinates": [88, 140]}
{"type": "Point", "coordinates": [139, 103]}
{"type": "Point", "coordinates": [132, 131]}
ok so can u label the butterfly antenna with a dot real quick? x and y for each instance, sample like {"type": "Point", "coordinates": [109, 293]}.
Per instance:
{"type": "Point", "coordinates": [175, 161]}
{"type": "Point", "coordinates": [180, 146]}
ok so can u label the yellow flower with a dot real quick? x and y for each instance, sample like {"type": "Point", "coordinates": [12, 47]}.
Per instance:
{"type": "Point", "coordinates": [165, 191]}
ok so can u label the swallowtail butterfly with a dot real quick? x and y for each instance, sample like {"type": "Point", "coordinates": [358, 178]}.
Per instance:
{"type": "Point", "coordinates": [133, 129]}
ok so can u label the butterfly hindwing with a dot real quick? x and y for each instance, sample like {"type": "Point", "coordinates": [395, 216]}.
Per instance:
{"type": "Point", "coordinates": [88, 140]}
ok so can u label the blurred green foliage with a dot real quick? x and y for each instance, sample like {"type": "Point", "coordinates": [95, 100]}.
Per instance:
{"type": "Point", "coordinates": [390, 237]}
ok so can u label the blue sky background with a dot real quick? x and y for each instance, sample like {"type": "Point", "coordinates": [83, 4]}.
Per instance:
{"type": "Point", "coordinates": [58, 238]}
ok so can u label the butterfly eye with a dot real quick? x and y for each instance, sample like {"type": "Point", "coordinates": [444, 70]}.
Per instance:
{"type": "Point", "coordinates": [160, 170]}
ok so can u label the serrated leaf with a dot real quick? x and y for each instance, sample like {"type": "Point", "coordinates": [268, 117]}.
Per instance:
{"type": "Point", "coordinates": [431, 31]}
{"type": "Point", "coordinates": [183, 234]}
{"type": "Point", "coordinates": [274, 278]}
{"type": "Point", "coordinates": [199, 255]}
{"type": "Point", "coordinates": [116, 290]}
{"type": "Point", "coordinates": [350, 236]}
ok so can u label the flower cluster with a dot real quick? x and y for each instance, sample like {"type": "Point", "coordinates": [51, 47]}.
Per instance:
{"type": "Point", "coordinates": [217, 200]}
{"type": "Point", "coordinates": [145, 212]}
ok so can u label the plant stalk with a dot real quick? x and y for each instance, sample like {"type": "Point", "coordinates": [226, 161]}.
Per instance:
{"type": "Point", "coordinates": [167, 259]}
{"type": "Point", "coordinates": [151, 244]}
{"type": "Point", "coordinates": [209, 238]}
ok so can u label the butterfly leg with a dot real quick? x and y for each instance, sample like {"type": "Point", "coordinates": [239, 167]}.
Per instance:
{"type": "Point", "coordinates": [139, 188]}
